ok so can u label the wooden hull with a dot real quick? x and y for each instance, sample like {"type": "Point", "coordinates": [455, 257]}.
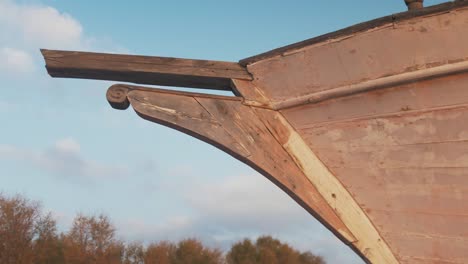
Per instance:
{"type": "Point", "coordinates": [400, 149]}
{"type": "Point", "coordinates": [366, 128]}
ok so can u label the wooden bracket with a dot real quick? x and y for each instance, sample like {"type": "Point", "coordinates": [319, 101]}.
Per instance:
{"type": "Point", "coordinates": [237, 129]}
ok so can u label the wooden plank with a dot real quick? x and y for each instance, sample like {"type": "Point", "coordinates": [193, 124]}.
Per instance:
{"type": "Point", "coordinates": [429, 203]}
{"type": "Point", "coordinates": [371, 245]}
{"type": "Point", "coordinates": [450, 201]}
{"type": "Point", "coordinates": [419, 191]}
{"type": "Point", "coordinates": [420, 223]}
{"type": "Point", "coordinates": [416, 200]}
{"type": "Point", "coordinates": [431, 155]}
{"type": "Point", "coordinates": [364, 177]}
{"type": "Point", "coordinates": [144, 69]}
{"type": "Point", "coordinates": [375, 84]}
{"type": "Point", "coordinates": [400, 100]}
{"type": "Point", "coordinates": [442, 125]}
{"type": "Point", "coordinates": [362, 27]}
{"type": "Point", "coordinates": [427, 260]}
{"type": "Point", "coordinates": [406, 169]}
{"type": "Point", "coordinates": [432, 250]}
{"type": "Point", "coordinates": [378, 53]}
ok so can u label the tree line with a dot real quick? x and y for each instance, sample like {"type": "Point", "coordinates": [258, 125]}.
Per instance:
{"type": "Point", "coordinates": [30, 236]}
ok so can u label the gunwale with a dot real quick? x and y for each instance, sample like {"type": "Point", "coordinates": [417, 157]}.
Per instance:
{"type": "Point", "coordinates": [360, 27]}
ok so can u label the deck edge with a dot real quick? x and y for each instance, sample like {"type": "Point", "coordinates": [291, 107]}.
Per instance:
{"type": "Point", "coordinates": [444, 7]}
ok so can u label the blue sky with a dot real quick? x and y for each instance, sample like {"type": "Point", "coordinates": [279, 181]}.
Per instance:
{"type": "Point", "coordinates": [62, 144]}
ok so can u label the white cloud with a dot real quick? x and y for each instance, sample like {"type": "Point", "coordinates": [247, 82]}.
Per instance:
{"type": "Point", "coordinates": [26, 27]}
{"type": "Point", "coordinates": [47, 26]}
{"type": "Point", "coordinates": [63, 159]}
{"type": "Point", "coordinates": [246, 201]}
{"type": "Point", "coordinates": [36, 25]}
{"type": "Point", "coordinates": [15, 61]}
{"type": "Point", "coordinates": [68, 145]}
{"type": "Point", "coordinates": [172, 228]}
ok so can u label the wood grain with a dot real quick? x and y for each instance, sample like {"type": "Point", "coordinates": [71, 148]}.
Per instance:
{"type": "Point", "coordinates": [236, 129]}
{"type": "Point", "coordinates": [387, 50]}
{"type": "Point", "coordinates": [362, 27]}
{"type": "Point", "coordinates": [406, 168]}
{"type": "Point", "coordinates": [411, 99]}
{"type": "Point", "coordinates": [371, 246]}
{"type": "Point", "coordinates": [441, 250]}
{"type": "Point", "coordinates": [144, 69]}
{"type": "Point", "coordinates": [442, 125]}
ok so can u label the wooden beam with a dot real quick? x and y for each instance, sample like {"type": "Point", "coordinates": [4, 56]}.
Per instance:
{"type": "Point", "coordinates": [215, 75]}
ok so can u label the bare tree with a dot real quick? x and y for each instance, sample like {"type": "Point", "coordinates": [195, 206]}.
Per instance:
{"type": "Point", "coordinates": [18, 217]}
{"type": "Point", "coordinates": [29, 236]}
{"type": "Point", "coordinates": [47, 245]}
{"type": "Point", "coordinates": [192, 251]}
{"type": "Point", "coordinates": [134, 254]}
{"type": "Point", "coordinates": [269, 250]}
{"type": "Point", "coordinates": [92, 240]}
{"type": "Point", "coordinates": [160, 253]}
{"type": "Point", "coordinates": [243, 252]}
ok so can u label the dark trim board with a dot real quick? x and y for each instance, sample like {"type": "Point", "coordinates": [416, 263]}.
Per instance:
{"type": "Point", "coordinates": [166, 71]}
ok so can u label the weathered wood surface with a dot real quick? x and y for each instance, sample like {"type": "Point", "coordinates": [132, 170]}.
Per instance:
{"type": "Point", "coordinates": [403, 154]}
{"type": "Point", "coordinates": [144, 69]}
{"type": "Point", "coordinates": [389, 49]}
{"type": "Point", "coordinates": [262, 139]}
{"type": "Point", "coordinates": [252, 95]}
{"type": "Point", "coordinates": [375, 84]}
{"type": "Point", "coordinates": [411, 100]}
{"type": "Point", "coordinates": [401, 151]}
{"type": "Point", "coordinates": [236, 129]}
{"type": "Point", "coordinates": [368, 241]}
{"type": "Point", "coordinates": [359, 28]}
